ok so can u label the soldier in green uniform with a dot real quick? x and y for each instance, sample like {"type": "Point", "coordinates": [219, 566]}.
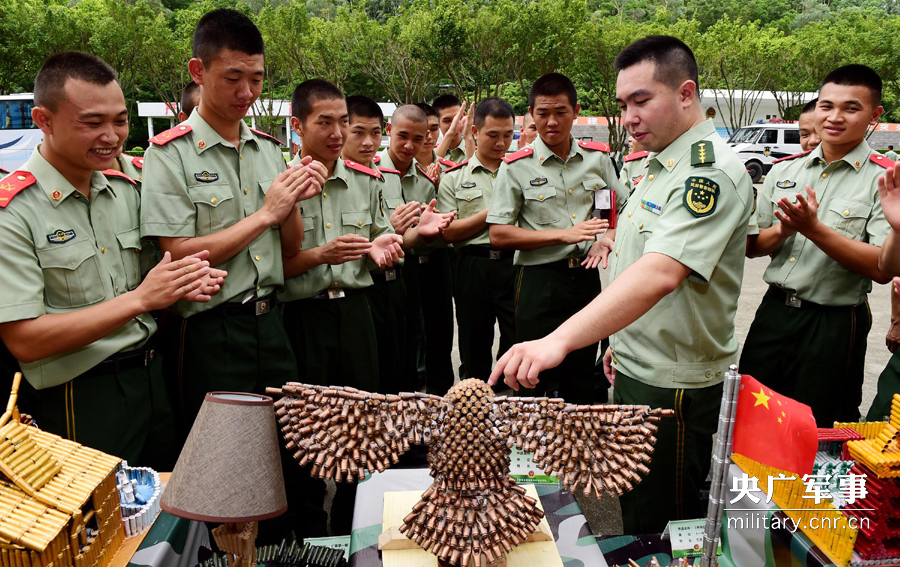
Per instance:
{"type": "Point", "coordinates": [190, 99]}
{"type": "Point", "coordinates": [484, 277]}
{"type": "Point", "coordinates": [74, 311]}
{"type": "Point", "coordinates": [634, 166]}
{"type": "Point", "coordinates": [427, 156]}
{"type": "Point", "coordinates": [448, 107]}
{"type": "Point", "coordinates": [212, 183]}
{"type": "Point", "coordinates": [427, 266]}
{"type": "Point", "coordinates": [675, 275]}
{"type": "Point", "coordinates": [821, 221]}
{"type": "Point", "coordinates": [387, 296]}
{"type": "Point", "coordinates": [542, 207]}
{"type": "Point", "coordinates": [528, 132]}
{"type": "Point", "coordinates": [809, 140]}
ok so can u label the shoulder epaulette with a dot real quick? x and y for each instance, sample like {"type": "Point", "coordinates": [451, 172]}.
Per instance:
{"type": "Point", "coordinates": [267, 137]}
{"type": "Point", "coordinates": [457, 166]}
{"type": "Point", "coordinates": [13, 184]}
{"type": "Point", "coordinates": [376, 160]}
{"type": "Point", "coordinates": [518, 155]}
{"type": "Point", "coordinates": [596, 146]}
{"type": "Point", "coordinates": [702, 153]}
{"type": "Point", "coordinates": [138, 162]}
{"type": "Point", "coordinates": [388, 170]}
{"type": "Point", "coordinates": [361, 168]}
{"type": "Point", "coordinates": [882, 161]}
{"type": "Point", "coordinates": [114, 173]}
{"type": "Point", "coordinates": [635, 155]}
{"type": "Point", "coordinates": [791, 157]}
{"type": "Point", "coordinates": [164, 138]}
{"type": "Point", "coordinates": [447, 162]}
{"type": "Point", "coordinates": [422, 169]}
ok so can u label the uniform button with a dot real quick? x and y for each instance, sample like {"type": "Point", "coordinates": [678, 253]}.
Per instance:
{"type": "Point", "coordinates": [709, 373]}
{"type": "Point", "coordinates": [103, 249]}
{"type": "Point", "coordinates": [570, 191]}
{"type": "Point", "coordinates": [565, 167]}
{"type": "Point", "coordinates": [328, 225]}
{"type": "Point", "coordinates": [469, 198]}
{"type": "Point", "coordinates": [650, 177]}
{"type": "Point", "coordinates": [21, 178]}
{"type": "Point", "coordinates": [629, 215]}
{"type": "Point", "coordinates": [615, 361]}
{"type": "Point", "coordinates": [258, 258]}
{"type": "Point", "coordinates": [824, 175]}
{"type": "Point", "coordinates": [793, 259]}
{"type": "Point", "coordinates": [846, 212]}
{"type": "Point", "coordinates": [336, 284]}
{"type": "Point", "coordinates": [617, 254]}
{"type": "Point", "coordinates": [246, 190]}
{"type": "Point", "coordinates": [573, 216]}
{"type": "Point", "coordinates": [213, 200]}
{"type": "Point", "coordinates": [640, 226]}
{"type": "Point", "coordinates": [360, 224]}
{"type": "Point", "coordinates": [241, 156]}
{"type": "Point", "coordinates": [324, 194]}
{"type": "Point", "coordinates": [117, 288]}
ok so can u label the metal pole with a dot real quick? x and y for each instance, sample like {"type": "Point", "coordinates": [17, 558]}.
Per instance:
{"type": "Point", "coordinates": [721, 457]}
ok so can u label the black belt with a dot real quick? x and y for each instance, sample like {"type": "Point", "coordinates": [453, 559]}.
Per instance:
{"type": "Point", "coordinates": [792, 300]}
{"type": "Point", "coordinates": [122, 361]}
{"type": "Point", "coordinates": [335, 293]}
{"type": "Point", "coordinates": [485, 252]}
{"type": "Point", "coordinates": [254, 308]}
{"type": "Point", "coordinates": [423, 258]}
{"type": "Point", "coordinates": [568, 263]}
{"type": "Point", "coordinates": [389, 275]}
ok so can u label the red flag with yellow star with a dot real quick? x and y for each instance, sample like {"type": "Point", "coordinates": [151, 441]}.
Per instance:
{"type": "Point", "coordinates": [773, 429]}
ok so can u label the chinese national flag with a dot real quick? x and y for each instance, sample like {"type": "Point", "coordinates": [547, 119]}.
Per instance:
{"type": "Point", "coordinates": [774, 430]}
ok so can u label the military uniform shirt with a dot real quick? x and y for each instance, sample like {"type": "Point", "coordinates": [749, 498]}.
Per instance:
{"type": "Point", "coordinates": [457, 154]}
{"type": "Point", "coordinates": [543, 192]}
{"type": "Point", "coordinates": [632, 173]}
{"type": "Point", "coordinates": [348, 204]}
{"type": "Point", "coordinates": [847, 191]}
{"type": "Point", "coordinates": [467, 190]}
{"type": "Point", "coordinates": [199, 184]}
{"type": "Point", "coordinates": [415, 186]}
{"type": "Point", "coordinates": [698, 216]}
{"type": "Point", "coordinates": [63, 252]}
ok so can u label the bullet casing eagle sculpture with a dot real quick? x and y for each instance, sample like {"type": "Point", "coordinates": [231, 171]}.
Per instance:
{"type": "Point", "coordinates": [473, 512]}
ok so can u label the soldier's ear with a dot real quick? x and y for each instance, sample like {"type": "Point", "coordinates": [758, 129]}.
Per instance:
{"type": "Point", "coordinates": [196, 68]}
{"type": "Point", "coordinates": [387, 129]}
{"type": "Point", "coordinates": [577, 108]}
{"type": "Point", "coordinates": [40, 116]}
{"type": "Point", "coordinates": [876, 115]}
{"type": "Point", "coordinates": [297, 126]}
{"type": "Point", "coordinates": [688, 93]}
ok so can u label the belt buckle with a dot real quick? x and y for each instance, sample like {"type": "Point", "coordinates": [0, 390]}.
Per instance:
{"type": "Point", "coordinates": [336, 294]}
{"type": "Point", "coordinates": [494, 255]}
{"type": "Point", "coordinates": [148, 356]}
{"type": "Point", "coordinates": [262, 307]}
{"type": "Point", "coordinates": [423, 259]}
{"type": "Point", "coordinates": [390, 275]}
{"type": "Point", "coordinates": [793, 301]}
{"type": "Point", "coordinates": [574, 262]}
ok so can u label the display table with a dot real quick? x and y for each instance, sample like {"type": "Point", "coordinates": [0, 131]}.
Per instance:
{"type": "Point", "coordinates": [574, 540]}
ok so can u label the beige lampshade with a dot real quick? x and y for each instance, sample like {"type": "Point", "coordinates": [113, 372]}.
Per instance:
{"type": "Point", "coordinates": [230, 468]}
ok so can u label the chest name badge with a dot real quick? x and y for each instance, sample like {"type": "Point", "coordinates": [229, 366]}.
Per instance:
{"type": "Point", "coordinates": [786, 184]}
{"type": "Point", "coordinates": [539, 181]}
{"type": "Point", "coordinates": [652, 207]}
{"type": "Point", "coordinates": [206, 177]}
{"type": "Point", "coordinates": [701, 195]}
{"type": "Point", "coordinates": [59, 236]}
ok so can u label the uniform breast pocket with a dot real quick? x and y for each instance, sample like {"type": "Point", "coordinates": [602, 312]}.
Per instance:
{"type": "Point", "coordinates": [848, 217]}
{"type": "Point", "coordinates": [265, 184]}
{"type": "Point", "coordinates": [390, 205]}
{"type": "Point", "coordinates": [309, 233]}
{"type": "Point", "coordinates": [215, 207]}
{"type": "Point", "coordinates": [130, 243]}
{"type": "Point", "coordinates": [590, 187]}
{"type": "Point", "coordinates": [72, 276]}
{"type": "Point", "coordinates": [469, 201]}
{"type": "Point", "coordinates": [540, 205]}
{"type": "Point", "coordinates": [357, 223]}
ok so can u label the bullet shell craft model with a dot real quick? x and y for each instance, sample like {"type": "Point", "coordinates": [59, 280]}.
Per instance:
{"type": "Point", "coordinates": [474, 512]}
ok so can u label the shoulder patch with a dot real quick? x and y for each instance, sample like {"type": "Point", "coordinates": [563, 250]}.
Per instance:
{"type": "Point", "coordinates": [361, 168]}
{"type": "Point", "coordinates": [701, 195]}
{"type": "Point", "coordinates": [791, 157]}
{"type": "Point", "coordinates": [702, 153]}
{"type": "Point", "coordinates": [138, 162]}
{"type": "Point", "coordinates": [164, 138]}
{"type": "Point", "coordinates": [267, 137]}
{"type": "Point", "coordinates": [518, 155]}
{"type": "Point", "coordinates": [13, 184]}
{"type": "Point", "coordinates": [119, 174]}
{"type": "Point", "coordinates": [447, 162]}
{"type": "Point", "coordinates": [881, 160]}
{"type": "Point", "coordinates": [456, 166]}
{"type": "Point", "coordinates": [635, 155]}
{"type": "Point", "coordinates": [422, 169]}
{"type": "Point", "coordinates": [596, 146]}
{"type": "Point", "coordinates": [388, 170]}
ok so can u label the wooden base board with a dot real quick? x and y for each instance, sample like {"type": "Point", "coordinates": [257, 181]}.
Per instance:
{"type": "Point", "coordinates": [400, 551]}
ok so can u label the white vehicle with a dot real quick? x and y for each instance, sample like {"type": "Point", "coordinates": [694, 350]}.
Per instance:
{"type": "Point", "coordinates": [758, 145]}
{"type": "Point", "coordinates": [18, 136]}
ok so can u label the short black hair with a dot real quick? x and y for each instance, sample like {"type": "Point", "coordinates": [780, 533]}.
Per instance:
{"type": "Point", "coordinates": [890, 147]}
{"type": "Point", "coordinates": [190, 98]}
{"type": "Point", "coordinates": [222, 29]}
{"type": "Point", "coordinates": [428, 109]}
{"type": "Point", "coordinates": [856, 75]}
{"type": "Point", "coordinates": [49, 85]}
{"type": "Point", "coordinates": [308, 92]}
{"type": "Point", "coordinates": [809, 106]}
{"type": "Point", "coordinates": [445, 101]}
{"type": "Point", "coordinates": [361, 106]}
{"type": "Point", "coordinates": [495, 108]}
{"type": "Point", "coordinates": [410, 112]}
{"type": "Point", "coordinates": [675, 62]}
{"type": "Point", "coordinates": [553, 84]}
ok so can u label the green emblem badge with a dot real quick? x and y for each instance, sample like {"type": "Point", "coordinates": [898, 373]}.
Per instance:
{"type": "Point", "coordinates": [702, 153]}
{"type": "Point", "coordinates": [701, 195]}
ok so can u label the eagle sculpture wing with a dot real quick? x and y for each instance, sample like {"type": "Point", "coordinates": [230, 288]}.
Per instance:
{"type": "Point", "coordinates": [344, 432]}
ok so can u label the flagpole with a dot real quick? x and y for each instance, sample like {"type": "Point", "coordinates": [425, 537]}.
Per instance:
{"type": "Point", "coordinates": [721, 458]}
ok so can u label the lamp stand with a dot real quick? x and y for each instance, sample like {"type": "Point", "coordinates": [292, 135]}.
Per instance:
{"type": "Point", "coordinates": [238, 540]}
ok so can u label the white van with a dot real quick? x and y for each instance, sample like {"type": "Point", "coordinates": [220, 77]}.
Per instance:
{"type": "Point", "coordinates": [18, 135]}
{"type": "Point", "coordinates": [761, 144]}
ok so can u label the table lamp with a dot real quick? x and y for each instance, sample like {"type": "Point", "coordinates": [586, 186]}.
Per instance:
{"type": "Point", "coordinates": [230, 471]}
